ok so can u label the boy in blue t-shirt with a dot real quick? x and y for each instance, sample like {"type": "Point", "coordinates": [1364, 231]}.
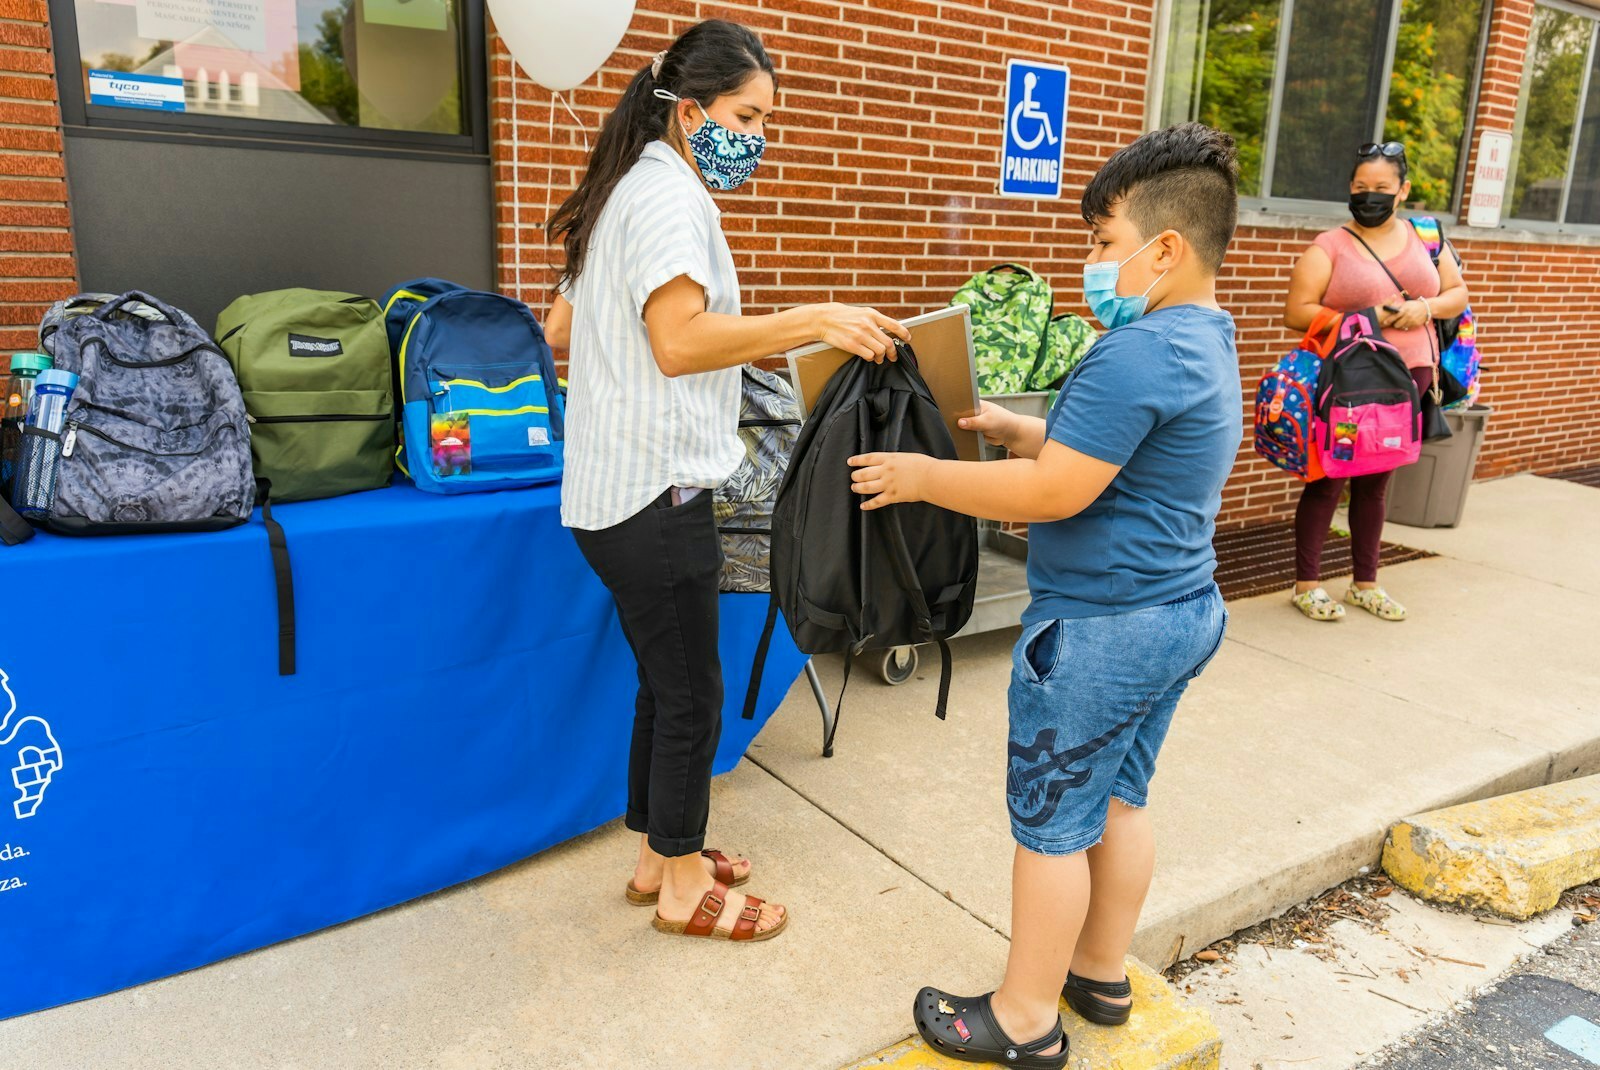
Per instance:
{"type": "Point", "coordinates": [1121, 487]}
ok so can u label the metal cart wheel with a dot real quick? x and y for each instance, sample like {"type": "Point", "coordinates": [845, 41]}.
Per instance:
{"type": "Point", "coordinates": [898, 665]}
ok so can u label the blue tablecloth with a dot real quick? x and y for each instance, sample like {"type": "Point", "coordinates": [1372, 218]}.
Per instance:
{"type": "Point", "coordinates": [464, 699]}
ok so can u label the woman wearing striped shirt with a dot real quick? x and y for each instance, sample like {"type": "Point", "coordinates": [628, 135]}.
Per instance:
{"type": "Point", "coordinates": [648, 308]}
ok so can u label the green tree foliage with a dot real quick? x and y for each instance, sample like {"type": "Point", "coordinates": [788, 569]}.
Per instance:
{"type": "Point", "coordinates": [1237, 87]}
{"type": "Point", "coordinates": [324, 78]}
{"type": "Point", "coordinates": [1558, 49]}
{"type": "Point", "coordinates": [1435, 52]}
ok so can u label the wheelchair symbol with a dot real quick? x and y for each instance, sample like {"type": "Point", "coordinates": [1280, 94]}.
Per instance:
{"type": "Point", "coordinates": [1029, 109]}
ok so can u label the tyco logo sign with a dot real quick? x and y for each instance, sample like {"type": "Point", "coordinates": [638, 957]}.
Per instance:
{"type": "Point", "coordinates": [1036, 130]}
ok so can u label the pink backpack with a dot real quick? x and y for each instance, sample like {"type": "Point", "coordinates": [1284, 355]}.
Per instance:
{"type": "Point", "coordinates": [1368, 414]}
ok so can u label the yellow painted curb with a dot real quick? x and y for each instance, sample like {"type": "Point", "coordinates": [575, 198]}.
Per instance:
{"type": "Point", "coordinates": [1513, 855]}
{"type": "Point", "coordinates": [1164, 1033]}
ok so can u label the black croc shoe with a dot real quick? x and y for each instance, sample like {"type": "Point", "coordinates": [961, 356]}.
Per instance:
{"type": "Point", "coordinates": [964, 1027]}
{"type": "Point", "coordinates": [1083, 995]}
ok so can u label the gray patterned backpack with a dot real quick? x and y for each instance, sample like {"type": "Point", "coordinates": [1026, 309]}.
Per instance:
{"type": "Point", "coordinates": [769, 425]}
{"type": "Point", "coordinates": [156, 438]}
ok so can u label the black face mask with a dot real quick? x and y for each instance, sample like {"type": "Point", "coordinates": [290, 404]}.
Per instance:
{"type": "Point", "coordinates": [1372, 209]}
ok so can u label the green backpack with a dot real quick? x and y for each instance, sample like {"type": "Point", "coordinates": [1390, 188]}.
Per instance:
{"type": "Point", "coordinates": [1069, 339]}
{"type": "Point", "coordinates": [315, 370]}
{"type": "Point", "coordinates": [1017, 348]}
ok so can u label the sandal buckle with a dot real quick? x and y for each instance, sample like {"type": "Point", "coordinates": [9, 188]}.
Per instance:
{"type": "Point", "coordinates": [750, 912]}
{"type": "Point", "coordinates": [710, 898]}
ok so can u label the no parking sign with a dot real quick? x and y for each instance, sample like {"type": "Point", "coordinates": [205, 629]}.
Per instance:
{"type": "Point", "coordinates": [1035, 139]}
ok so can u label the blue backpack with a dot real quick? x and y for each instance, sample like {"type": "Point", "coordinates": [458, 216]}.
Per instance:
{"type": "Point", "coordinates": [1286, 403]}
{"type": "Point", "coordinates": [481, 406]}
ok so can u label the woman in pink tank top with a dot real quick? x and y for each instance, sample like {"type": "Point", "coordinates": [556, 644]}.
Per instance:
{"type": "Point", "coordinates": [1348, 269]}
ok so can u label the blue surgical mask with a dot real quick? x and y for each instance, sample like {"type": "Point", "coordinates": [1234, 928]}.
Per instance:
{"type": "Point", "coordinates": [1100, 292]}
{"type": "Point", "coordinates": [726, 158]}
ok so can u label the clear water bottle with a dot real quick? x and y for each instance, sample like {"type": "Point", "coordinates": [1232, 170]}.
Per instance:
{"type": "Point", "coordinates": [16, 392]}
{"type": "Point", "coordinates": [33, 488]}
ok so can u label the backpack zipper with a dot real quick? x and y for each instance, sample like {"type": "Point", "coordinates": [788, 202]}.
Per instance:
{"type": "Point", "coordinates": [72, 441]}
{"type": "Point", "coordinates": [309, 419]}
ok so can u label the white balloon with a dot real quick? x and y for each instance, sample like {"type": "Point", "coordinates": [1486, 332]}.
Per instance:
{"type": "Point", "coordinates": [561, 43]}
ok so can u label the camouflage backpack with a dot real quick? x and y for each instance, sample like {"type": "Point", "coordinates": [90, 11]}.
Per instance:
{"type": "Point", "coordinates": [1011, 329]}
{"type": "Point", "coordinates": [1069, 339]}
{"type": "Point", "coordinates": [769, 423]}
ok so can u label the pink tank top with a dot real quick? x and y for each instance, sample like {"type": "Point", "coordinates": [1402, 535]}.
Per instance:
{"type": "Point", "coordinates": [1359, 282]}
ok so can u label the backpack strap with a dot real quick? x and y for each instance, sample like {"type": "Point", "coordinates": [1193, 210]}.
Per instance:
{"type": "Point", "coordinates": [758, 664]}
{"type": "Point", "coordinates": [905, 572]}
{"type": "Point", "coordinates": [1326, 325]}
{"type": "Point", "coordinates": [282, 575]}
{"type": "Point", "coordinates": [1403, 291]}
{"type": "Point", "coordinates": [13, 529]}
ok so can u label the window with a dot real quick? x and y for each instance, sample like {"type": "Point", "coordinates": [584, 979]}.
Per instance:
{"type": "Point", "coordinates": [1556, 174]}
{"type": "Point", "coordinates": [1301, 83]}
{"type": "Point", "coordinates": [394, 71]}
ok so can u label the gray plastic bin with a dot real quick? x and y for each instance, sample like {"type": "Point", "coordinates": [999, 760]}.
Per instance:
{"type": "Point", "coordinates": [1433, 492]}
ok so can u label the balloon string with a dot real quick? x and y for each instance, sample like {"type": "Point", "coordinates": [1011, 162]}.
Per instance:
{"type": "Point", "coordinates": [516, 187]}
{"type": "Point", "coordinates": [549, 180]}
{"type": "Point", "coordinates": [581, 128]}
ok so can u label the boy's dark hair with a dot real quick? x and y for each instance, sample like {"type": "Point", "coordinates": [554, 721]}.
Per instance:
{"type": "Point", "coordinates": [1184, 178]}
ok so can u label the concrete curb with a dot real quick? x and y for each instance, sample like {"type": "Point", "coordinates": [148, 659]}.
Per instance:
{"type": "Point", "coordinates": [1165, 1033]}
{"type": "Point", "coordinates": [1514, 854]}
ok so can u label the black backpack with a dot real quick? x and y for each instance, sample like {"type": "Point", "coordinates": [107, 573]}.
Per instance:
{"type": "Point", "coordinates": [848, 580]}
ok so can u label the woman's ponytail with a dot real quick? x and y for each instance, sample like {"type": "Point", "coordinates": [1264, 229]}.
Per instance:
{"type": "Point", "coordinates": [711, 59]}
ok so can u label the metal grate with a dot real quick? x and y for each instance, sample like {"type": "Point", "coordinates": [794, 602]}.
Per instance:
{"type": "Point", "coordinates": [1589, 477]}
{"type": "Point", "coordinates": [1260, 559]}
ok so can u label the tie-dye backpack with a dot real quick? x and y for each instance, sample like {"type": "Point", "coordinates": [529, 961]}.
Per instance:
{"type": "Point", "coordinates": [1458, 338]}
{"type": "Point", "coordinates": [1286, 402]}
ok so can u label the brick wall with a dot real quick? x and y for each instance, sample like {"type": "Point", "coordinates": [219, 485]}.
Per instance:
{"type": "Point", "coordinates": [879, 189]}
{"type": "Point", "coordinates": [36, 261]}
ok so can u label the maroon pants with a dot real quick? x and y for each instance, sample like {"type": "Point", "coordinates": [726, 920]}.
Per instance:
{"type": "Point", "coordinates": [1320, 500]}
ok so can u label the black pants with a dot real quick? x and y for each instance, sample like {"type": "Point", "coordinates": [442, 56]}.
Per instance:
{"type": "Point", "coordinates": [661, 566]}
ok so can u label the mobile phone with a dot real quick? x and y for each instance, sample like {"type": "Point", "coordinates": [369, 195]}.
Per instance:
{"type": "Point", "coordinates": [1391, 308]}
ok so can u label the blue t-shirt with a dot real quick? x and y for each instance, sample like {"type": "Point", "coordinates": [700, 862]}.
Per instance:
{"type": "Point", "coordinates": [1161, 398]}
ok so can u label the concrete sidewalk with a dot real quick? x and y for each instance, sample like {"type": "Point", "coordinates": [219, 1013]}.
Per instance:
{"type": "Point", "coordinates": [1287, 762]}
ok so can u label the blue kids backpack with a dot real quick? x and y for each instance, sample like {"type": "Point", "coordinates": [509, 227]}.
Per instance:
{"type": "Point", "coordinates": [481, 406]}
{"type": "Point", "coordinates": [1286, 402]}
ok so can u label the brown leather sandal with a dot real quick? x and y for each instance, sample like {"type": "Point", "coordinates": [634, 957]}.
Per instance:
{"type": "Point", "coordinates": [723, 874]}
{"type": "Point", "coordinates": [704, 922]}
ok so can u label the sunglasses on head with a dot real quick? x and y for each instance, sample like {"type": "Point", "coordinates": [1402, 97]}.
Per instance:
{"type": "Point", "coordinates": [1389, 150]}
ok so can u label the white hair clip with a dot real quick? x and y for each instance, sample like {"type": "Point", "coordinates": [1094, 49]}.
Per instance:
{"type": "Point", "coordinates": [655, 64]}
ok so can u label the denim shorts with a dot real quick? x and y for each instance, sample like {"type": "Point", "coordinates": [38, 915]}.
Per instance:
{"type": "Point", "coordinates": [1091, 701]}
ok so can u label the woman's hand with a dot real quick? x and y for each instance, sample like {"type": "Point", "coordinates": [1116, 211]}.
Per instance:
{"type": "Point", "coordinates": [997, 425]}
{"type": "Point", "coordinates": [887, 478]}
{"type": "Point", "coordinates": [1412, 313]}
{"type": "Point", "coordinates": [863, 331]}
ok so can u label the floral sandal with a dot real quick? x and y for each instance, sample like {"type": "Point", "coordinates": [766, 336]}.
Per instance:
{"type": "Point", "coordinates": [723, 874]}
{"type": "Point", "coordinates": [1375, 600]}
{"type": "Point", "coordinates": [1317, 605]}
{"type": "Point", "coordinates": [712, 904]}
{"type": "Point", "coordinates": [964, 1027]}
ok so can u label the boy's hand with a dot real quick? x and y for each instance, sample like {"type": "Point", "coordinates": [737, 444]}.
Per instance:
{"type": "Point", "coordinates": [890, 478]}
{"type": "Point", "coordinates": [997, 425]}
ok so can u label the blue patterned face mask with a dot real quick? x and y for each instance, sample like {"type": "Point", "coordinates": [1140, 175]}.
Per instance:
{"type": "Point", "coordinates": [727, 159]}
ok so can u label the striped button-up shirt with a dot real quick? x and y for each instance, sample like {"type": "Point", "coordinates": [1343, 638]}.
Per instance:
{"type": "Point", "coordinates": [631, 432]}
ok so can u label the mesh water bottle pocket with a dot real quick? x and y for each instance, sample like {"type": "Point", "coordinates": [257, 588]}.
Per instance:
{"type": "Point", "coordinates": [33, 488]}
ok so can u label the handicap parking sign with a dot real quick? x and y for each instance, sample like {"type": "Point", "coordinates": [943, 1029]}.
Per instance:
{"type": "Point", "coordinates": [1035, 129]}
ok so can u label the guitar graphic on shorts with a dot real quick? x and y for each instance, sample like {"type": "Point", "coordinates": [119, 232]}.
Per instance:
{"type": "Point", "coordinates": [1031, 792]}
